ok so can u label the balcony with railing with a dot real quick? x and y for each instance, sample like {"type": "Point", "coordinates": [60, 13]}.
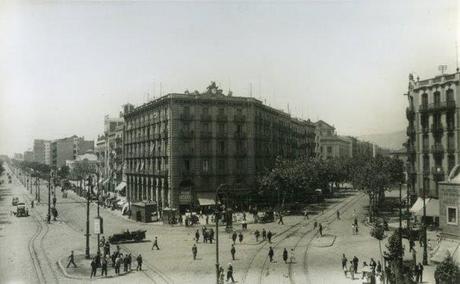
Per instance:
{"type": "Point", "coordinates": [187, 134]}
{"type": "Point", "coordinates": [186, 116]}
{"type": "Point", "coordinates": [437, 129]}
{"type": "Point", "coordinates": [426, 149]}
{"type": "Point", "coordinates": [241, 152]}
{"type": "Point", "coordinates": [410, 113]}
{"type": "Point", "coordinates": [239, 118]}
{"type": "Point", "coordinates": [221, 118]}
{"type": "Point", "coordinates": [239, 135]}
{"type": "Point", "coordinates": [206, 134]}
{"type": "Point", "coordinates": [438, 173]}
{"type": "Point", "coordinates": [410, 131]}
{"type": "Point", "coordinates": [437, 148]}
{"type": "Point", "coordinates": [206, 117]}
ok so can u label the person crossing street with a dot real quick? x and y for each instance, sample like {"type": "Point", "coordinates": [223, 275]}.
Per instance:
{"type": "Point", "coordinates": [270, 254]}
{"type": "Point", "coordinates": [155, 243]}
{"type": "Point", "coordinates": [71, 260]}
{"type": "Point", "coordinates": [233, 252]}
{"type": "Point", "coordinates": [194, 251]}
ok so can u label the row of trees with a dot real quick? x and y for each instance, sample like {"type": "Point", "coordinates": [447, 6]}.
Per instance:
{"type": "Point", "coordinates": [80, 170]}
{"type": "Point", "coordinates": [294, 180]}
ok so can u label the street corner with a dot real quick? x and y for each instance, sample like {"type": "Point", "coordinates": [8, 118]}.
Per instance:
{"type": "Point", "coordinates": [82, 268]}
{"type": "Point", "coordinates": [327, 240]}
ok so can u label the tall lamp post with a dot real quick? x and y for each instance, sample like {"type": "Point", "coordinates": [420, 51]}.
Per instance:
{"type": "Point", "coordinates": [400, 226]}
{"type": "Point", "coordinates": [49, 196]}
{"type": "Point", "coordinates": [87, 217]}
{"type": "Point", "coordinates": [217, 231]}
{"type": "Point", "coordinates": [425, 252]}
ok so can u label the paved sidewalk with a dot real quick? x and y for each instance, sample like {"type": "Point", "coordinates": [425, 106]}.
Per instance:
{"type": "Point", "coordinates": [325, 262]}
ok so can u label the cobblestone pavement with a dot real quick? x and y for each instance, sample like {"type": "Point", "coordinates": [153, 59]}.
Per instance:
{"type": "Point", "coordinates": [317, 259]}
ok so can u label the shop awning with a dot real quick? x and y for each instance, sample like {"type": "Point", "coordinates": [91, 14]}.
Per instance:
{"type": "Point", "coordinates": [120, 186]}
{"type": "Point", "coordinates": [432, 208]}
{"type": "Point", "coordinates": [206, 198]}
{"type": "Point", "coordinates": [418, 205]}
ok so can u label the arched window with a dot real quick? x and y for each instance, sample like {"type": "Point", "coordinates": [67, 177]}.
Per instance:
{"type": "Point", "coordinates": [450, 95]}
{"type": "Point", "coordinates": [424, 99]}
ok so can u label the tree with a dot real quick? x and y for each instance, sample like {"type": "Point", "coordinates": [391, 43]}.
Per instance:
{"type": "Point", "coordinates": [2, 169]}
{"type": "Point", "coordinates": [447, 272]}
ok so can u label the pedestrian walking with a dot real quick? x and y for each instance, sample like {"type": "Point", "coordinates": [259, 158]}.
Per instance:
{"type": "Point", "coordinates": [420, 271]}
{"type": "Point", "coordinates": [315, 225]}
{"type": "Point", "coordinates": [257, 234]}
{"type": "Point", "coordinates": [292, 256]}
{"type": "Point", "coordinates": [285, 255]}
{"type": "Point", "coordinates": [118, 263]}
{"type": "Point", "coordinates": [194, 251]}
{"type": "Point", "coordinates": [221, 274]}
{"type": "Point", "coordinates": [416, 274]}
{"type": "Point", "coordinates": [107, 248]}
{"type": "Point", "coordinates": [54, 201]}
{"type": "Point", "coordinates": [344, 261]}
{"type": "Point", "coordinates": [93, 268]}
{"type": "Point", "coordinates": [345, 269]}
{"type": "Point", "coordinates": [338, 215]}
{"type": "Point", "coordinates": [352, 271]}
{"type": "Point", "coordinates": [379, 267]}
{"type": "Point", "coordinates": [104, 266]}
{"type": "Point", "coordinates": [356, 229]}
{"type": "Point", "coordinates": [320, 229]}
{"type": "Point", "coordinates": [355, 221]}
{"type": "Point", "coordinates": [233, 251]}
{"type": "Point", "coordinates": [234, 235]}
{"type": "Point", "coordinates": [207, 219]}
{"type": "Point", "coordinates": [71, 260]}
{"type": "Point", "coordinates": [139, 262]}
{"type": "Point", "coordinates": [353, 230]}
{"type": "Point", "coordinates": [269, 236]}
{"type": "Point", "coordinates": [230, 272]}
{"type": "Point", "coordinates": [271, 253]}
{"type": "Point", "coordinates": [211, 235]}
{"type": "Point", "coordinates": [414, 256]}
{"type": "Point", "coordinates": [280, 221]}
{"type": "Point", "coordinates": [355, 264]}
{"type": "Point", "coordinates": [264, 234]}
{"type": "Point", "coordinates": [130, 260]}
{"type": "Point", "coordinates": [240, 237]}
{"type": "Point", "coordinates": [125, 263]}
{"type": "Point", "coordinates": [373, 264]}
{"type": "Point", "coordinates": [155, 243]}
{"type": "Point", "coordinates": [411, 244]}
{"type": "Point", "coordinates": [197, 235]}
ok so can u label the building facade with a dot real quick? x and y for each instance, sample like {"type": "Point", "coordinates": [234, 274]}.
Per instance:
{"type": "Point", "coordinates": [109, 150]}
{"type": "Point", "coordinates": [68, 149]}
{"type": "Point", "coordinates": [181, 147]}
{"type": "Point", "coordinates": [329, 144]}
{"type": "Point", "coordinates": [29, 156]}
{"type": "Point", "coordinates": [42, 153]}
{"type": "Point", "coordinates": [432, 131]}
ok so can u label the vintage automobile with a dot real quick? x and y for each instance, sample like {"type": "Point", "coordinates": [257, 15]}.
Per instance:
{"type": "Point", "coordinates": [266, 217]}
{"type": "Point", "coordinates": [21, 210]}
{"type": "Point", "coordinates": [15, 201]}
{"type": "Point", "coordinates": [127, 236]}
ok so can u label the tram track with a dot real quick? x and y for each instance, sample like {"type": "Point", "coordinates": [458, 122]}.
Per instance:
{"type": "Point", "coordinates": [293, 229]}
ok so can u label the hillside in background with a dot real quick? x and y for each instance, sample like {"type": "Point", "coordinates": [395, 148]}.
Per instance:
{"type": "Point", "coordinates": [391, 140]}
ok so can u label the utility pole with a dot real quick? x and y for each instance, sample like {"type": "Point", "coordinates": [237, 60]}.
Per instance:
{"type": "Point", "coordinates": [49, 197]}
{"type": "Point", "coordinates": [87, 218]}
{"type": "Point", "coordinates": [98, 234]}
{"type": "Point", "coordinates": [425, 252]}
{"type": "Point", "coordinates": [400, 227]}
{"type": "Point", "coordinates": [217, 231]}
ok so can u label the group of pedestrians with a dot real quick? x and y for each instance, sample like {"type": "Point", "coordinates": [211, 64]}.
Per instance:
{"type": "Point", "coordinates": [118, 260]}
{"type": "Point", "coordinates": [208, 235]}
{"type": "Point", "coordinates": [271, 254]}
{"type": "Point", "coordinates": [265, 235]}
{"type": "Point", "coordinates": [370, 272]}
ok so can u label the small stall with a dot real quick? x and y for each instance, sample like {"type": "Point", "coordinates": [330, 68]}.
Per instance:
{"type": "Point", "coordinates": [142, 211]}
{"type": "Point", "coordinates": [170, 216]}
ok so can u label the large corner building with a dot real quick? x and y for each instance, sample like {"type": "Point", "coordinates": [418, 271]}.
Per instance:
{"type": "Point", "coordinates": [181, 147]}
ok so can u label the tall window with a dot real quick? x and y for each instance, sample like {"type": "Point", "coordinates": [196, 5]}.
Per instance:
{"type": "Point", "coordinates": [425, 99]}
{"type": "Point", "coordinates": [449, 95]}
{"type": "Point", "coordinates": [426, 162]}
{"type": "Point", "coordinates": [452, 215]}
{"type": "Point", "coordinates": [187, 165]}
{"type": "Point", "coordinates": [221, 147]}
{"type": "Point", "coordinates": [451, 162]}
{"type": "Point", "coordinates": [205, 165]}
{"type": "Point", "coordinates": [221, 127]}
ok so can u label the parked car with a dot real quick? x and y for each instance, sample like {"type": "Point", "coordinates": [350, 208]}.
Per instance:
{"type": "Point", "coordinates": [136, 236]}
{"type": "Point", "coordinates": [21, 210]}
{"type": "Point", "coordinates": [15, 201]}
{"type": "Point", "coordinates": [266, 217]}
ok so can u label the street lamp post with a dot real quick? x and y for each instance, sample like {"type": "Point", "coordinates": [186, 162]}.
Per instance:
{"type": "Point", "coordinates": [49, 197]}
{"type": "Point", "coordinates": [87, 218]}
{"type": "Point", "coordinates": [425, 252]}
{"type": "Point", "coordinates": [400, 227]}
{"type": "Point", "coordinates": [217, 232]}
{"type": "Point", "coordinates": [98, 234]}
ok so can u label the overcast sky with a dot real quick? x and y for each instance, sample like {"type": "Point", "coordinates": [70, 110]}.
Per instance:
{"type": "Point", "coordinates": [65, 65]}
